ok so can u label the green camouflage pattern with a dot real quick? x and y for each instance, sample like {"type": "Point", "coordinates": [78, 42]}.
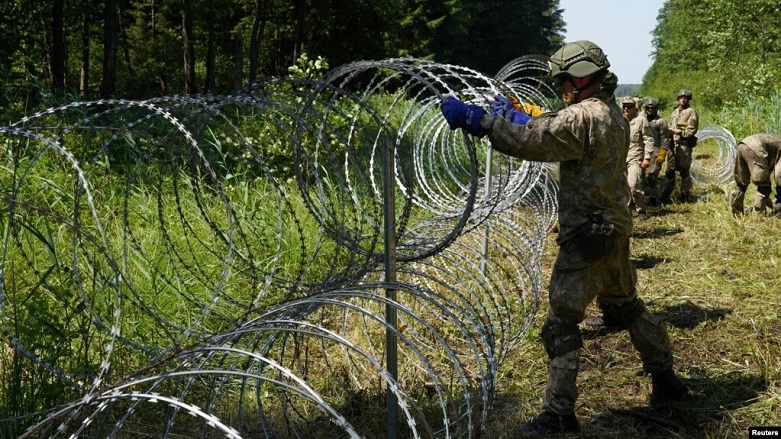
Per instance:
{"type": "Point", "coordinates": [590, 140]}
{"type": "Point", "coordinates": [578, 59]}
{"type": "Point", "coordinates": [575, 283]}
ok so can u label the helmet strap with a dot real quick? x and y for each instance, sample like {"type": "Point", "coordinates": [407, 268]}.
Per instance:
{"type": "Point", "coordinates": [593, 83]}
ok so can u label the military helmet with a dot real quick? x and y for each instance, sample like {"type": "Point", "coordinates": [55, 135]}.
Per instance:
{"type": "Point", "coordinates": [578, 59]}
{"type": "Point", "coordinates": [685, 93]}
{"type": "Point", "coordinates": [651, 102]}
{"type": "Point", "coordinates": [628, 101]}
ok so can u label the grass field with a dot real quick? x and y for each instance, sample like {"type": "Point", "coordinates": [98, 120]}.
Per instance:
{"type": "Point", "coordinates": [714, 279]}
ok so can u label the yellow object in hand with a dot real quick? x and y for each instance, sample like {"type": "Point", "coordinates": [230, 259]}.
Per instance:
{"type": "Point", "coordinates": [660, 157]}
{"type": "Point", "coordinates": [526, 107]}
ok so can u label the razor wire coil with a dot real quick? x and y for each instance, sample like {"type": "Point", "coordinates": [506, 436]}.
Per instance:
{"type": "Point", "coordinates": [225, 253]}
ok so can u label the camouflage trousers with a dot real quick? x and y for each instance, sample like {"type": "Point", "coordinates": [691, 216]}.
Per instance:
{"type": "Point", "coordinates": [651, 179]}
{"type": "Point", "coordinates": [749, 168]}
{"type": "Point", "coordinates": [635, 176]}
{"type": "Point", "coordinates": [680, 161]}
{"type": "Point", "coordinates": [575, 283]}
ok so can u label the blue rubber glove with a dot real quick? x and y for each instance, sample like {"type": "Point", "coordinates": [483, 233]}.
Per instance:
{"type": "Point", "coordinates": [517, 118]}
{"type": "Point", "coordinates": [503, 107]}
{"type": "Point", "coordinates": [461, 115]}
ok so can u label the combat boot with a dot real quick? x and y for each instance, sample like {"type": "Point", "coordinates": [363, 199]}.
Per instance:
{"type": "Point", "coordinates": [762, 204]}
{"type": "Point", "coordinates": [548, 423]}
{"type": "Point", "coordinates": [735, 200]}
{"type": "Point", "coordinates": [666, 387]}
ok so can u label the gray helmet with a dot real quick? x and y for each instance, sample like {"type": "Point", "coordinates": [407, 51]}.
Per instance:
{"type": "Point", "coordinates": [685, 93]}
{"type": "Point", "coordinates": [578, 59]}
{"type": "Point", "coordinates": [651, 102]}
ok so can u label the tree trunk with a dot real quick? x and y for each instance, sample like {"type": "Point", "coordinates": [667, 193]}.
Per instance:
{"type": "Point", "coordinates": [110, 33]}
{"type": "Point", "coordinates": [300, 15]}
{"type": "Point", "coordinates": [84, 74]}
{"type": "Point", "coordinates": [189, 47]}
{"type": "Point", "coordinates": [258, 27]}
{"type": "Point", "coordinates": [122, 37]}
{"type": "Point", "coordinates": [238, 58]}
{"type": "Point", "coordinates": [208, 83]}
{"type": "Point", "coordinates": [58, 45]}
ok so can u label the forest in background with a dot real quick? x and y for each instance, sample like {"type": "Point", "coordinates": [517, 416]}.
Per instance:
{"type": "Point", "coordinates": [144, 48]}
{"type": "Point", "coordinates": [726, 52]}
{"type": "Point", "coordinates": [692, 259]}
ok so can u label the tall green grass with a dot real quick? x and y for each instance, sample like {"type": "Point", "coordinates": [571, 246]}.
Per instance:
{"type": "Point", "coordinates": [711, 276]}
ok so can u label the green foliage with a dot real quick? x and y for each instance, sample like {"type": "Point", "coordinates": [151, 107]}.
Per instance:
{"type": "Point", "coordinates": [305, 68]}
{"type": "Point", "coordinates": [228, 34]}
{"type": "Point", "coordinates": [726, 52]}
{"type": "Point", "coordinates": [757, 115]}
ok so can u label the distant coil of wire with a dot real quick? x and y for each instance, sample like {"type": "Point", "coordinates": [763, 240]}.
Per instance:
{"type": "Point", "coordinates": [719, 168]}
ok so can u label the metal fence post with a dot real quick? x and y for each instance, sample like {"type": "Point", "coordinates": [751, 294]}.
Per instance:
{"type": "Point", "coordinates": [389, 208]}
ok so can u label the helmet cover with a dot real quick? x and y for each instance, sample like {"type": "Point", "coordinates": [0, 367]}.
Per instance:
{"type": "Point", "coordinates": [578, 59]}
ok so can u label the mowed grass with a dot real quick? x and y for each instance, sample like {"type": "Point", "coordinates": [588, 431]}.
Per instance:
{"type": "Point", "coordinates": [715, 280]}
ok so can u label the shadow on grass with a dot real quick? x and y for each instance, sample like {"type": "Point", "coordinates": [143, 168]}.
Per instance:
{"type": "Point", "coordinates": [645, 262]}
{"type": "Point", "coordinates": [685, 315]}
{"type": "Point", "coordinates": [700, 415]}
{"type": "Point", "coordinates": [657, 232]}
{"type": "Point", "coordinates": [688, 315]}
{"type": "Point", "coordinates": [664, 210]}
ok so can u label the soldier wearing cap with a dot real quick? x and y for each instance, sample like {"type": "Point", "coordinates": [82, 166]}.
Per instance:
{"type": "Point", "coordinates": [589, 139]}
{"type": "Point", "coordinates": [683, 127]}
{"type": "Point", "coordinates": [638, 159]}
{"type": "Point", "coordinates": [661, 135]}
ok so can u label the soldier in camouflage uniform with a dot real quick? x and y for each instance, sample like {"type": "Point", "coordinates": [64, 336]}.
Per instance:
{"type": "Point", "coordinates": [684, 123]}
{"type": "Point", "coordinates": [758, 156]}
{"type": "Point", "coordinates": [638, 159]}
{"type": "Point", "coordinates": [661, 135]}
{"type": "Point", "coordinates": [589, 138]}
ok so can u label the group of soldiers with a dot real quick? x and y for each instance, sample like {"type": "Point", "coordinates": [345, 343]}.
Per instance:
{"type": "Point", "coordinates": [655, 143]}
{"type": "Point", "coordinates": [589, 138]}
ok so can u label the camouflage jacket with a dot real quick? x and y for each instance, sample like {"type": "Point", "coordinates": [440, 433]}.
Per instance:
{"type": "Point", "coordinates": [685, 119]}
{"type": "Point", "coordinates": [641, 141]}
{"type": "Point", "coordinates": [590, 140]}
{"type": "Point", "coordinates": [660, 132]}
{"type": "Point", "coordinates": [765, 146]}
